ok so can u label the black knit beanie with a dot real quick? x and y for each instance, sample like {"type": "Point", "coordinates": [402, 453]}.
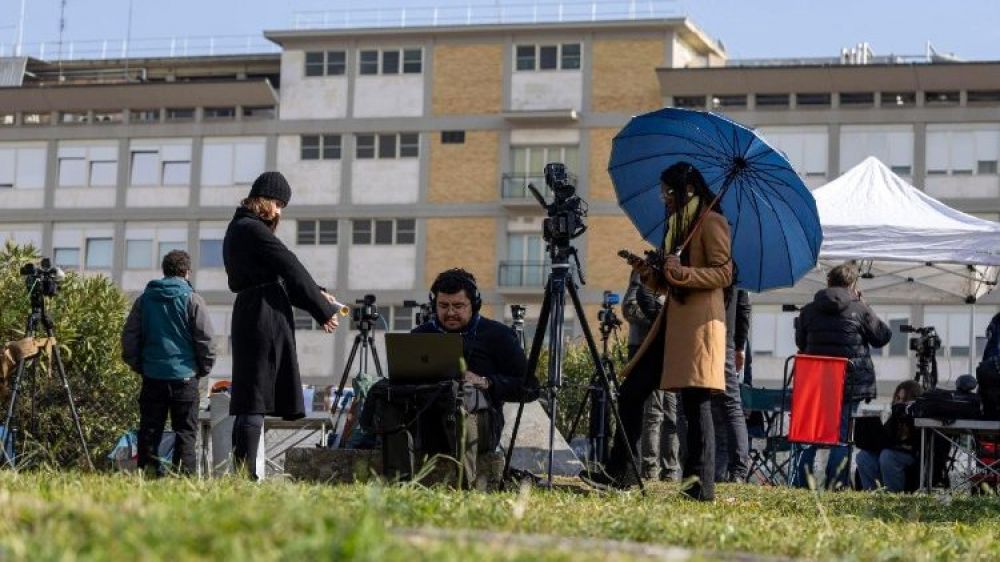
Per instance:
{"type": "Point", "coordinates": [272, 185]}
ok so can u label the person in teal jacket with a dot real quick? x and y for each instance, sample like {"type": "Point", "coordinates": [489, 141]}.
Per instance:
{"type": "Point", "coordinates": [168, 340]}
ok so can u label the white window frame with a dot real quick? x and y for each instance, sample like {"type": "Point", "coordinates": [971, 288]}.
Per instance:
{"type": "Point", "coordinates": [395, 231]}
{"type": "Point", "coordinates": [381, 56]}
{"type": "Point", "coordinates": [16, 172]}
{"type": "Point", "coordinates": [377, 146]}
{"type": "Point", "coordinates": [167, 154]}
{"type": "Point", "coordinates": [89, 155]}
{"type": "Point", "coordinates": [538, 57]}
{"type": "Point", "coordinates": [232, 171]}
{"type": "Point", "coordinates": [947, 143]}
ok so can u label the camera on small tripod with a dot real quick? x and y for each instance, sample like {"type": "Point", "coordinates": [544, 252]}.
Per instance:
{"type": "Point", "coordinates": [925, 344]}
{"type": "Point", "coordinates": [606, 315]}
{"type": "Point", "coordinates": [42, 280]}
{"type": "Point", "coordinates": [422, 311]}
{"type": "Point", "coordinates": [518, 312]}
{"type": "Point", "coordinates": [365, 315]}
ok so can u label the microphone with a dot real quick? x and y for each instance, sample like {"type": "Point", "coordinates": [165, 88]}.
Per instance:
{"type": "Point", "coordinates": [342, 308]}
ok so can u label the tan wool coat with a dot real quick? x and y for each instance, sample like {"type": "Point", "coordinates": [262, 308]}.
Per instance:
{"type": "Point", "coordinates": [694, 349]}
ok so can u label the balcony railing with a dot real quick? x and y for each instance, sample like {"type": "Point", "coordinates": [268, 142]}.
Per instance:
{"type": "Point", "coordinates": [523, 273]}
{"type": "Point", "coordinates": [471, 13]}
{"type": "Point", "coordinates": [515, 186]}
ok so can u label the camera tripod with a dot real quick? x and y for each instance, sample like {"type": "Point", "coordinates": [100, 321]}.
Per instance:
{"type": "Point", "coordinates": [927, 369]}
{"type": "Point", "coordinates": [564, 222]}
{"type": "Point", "coordinates": [364, 343]}
{"type": "Point", "coordinates": [599, 434]}
{"type": "Point", "coordinates": [38, 318]}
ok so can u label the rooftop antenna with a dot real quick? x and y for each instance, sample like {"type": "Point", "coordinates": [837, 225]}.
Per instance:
{"type": "Point", "coordinates": [20, 31]}
{"type": "Point", "coordinates": [128, 38]}
{"type": "Point", "coordinates": [62, 27]}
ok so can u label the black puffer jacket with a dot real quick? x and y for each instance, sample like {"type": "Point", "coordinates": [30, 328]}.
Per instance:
{"type": "Point", "coordinates": [838, 324]}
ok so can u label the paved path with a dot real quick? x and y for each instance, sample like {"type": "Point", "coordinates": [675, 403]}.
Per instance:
{"type": "Point", "coordinates": [614, 550]}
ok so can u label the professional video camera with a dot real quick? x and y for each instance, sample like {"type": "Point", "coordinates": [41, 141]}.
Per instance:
{"type": "Point", "coordinates": [517, 313]}
{"type": "Point", "coordinates": [566, 212]}
{"type": "Point", "coordinates": [42, 280]}
{"type": "Point", "coordinates": [422, 312]}
{"type": "Point", "coordinates": [609, 320]}
{"type": "Point", "coordinates": [925, 344]}
{"type": "Point", "coordinates": [366, 315]}
{"type": "Point", "coordinates": [928, 342]}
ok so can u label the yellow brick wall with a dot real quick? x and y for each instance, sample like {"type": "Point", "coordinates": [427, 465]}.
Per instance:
{"type": "Point", "coordinates": [624, 76]}
{"type": "Point", "coordinates": [469, 243]}
{"type": "Point", "coordinates": [464, 173]}
{"type": "Point", "coordinates": [467, 79]}
{"type": "Point", "coordinates": [601, 188]}
{"type": "Point", "coordinates": [605, 236]}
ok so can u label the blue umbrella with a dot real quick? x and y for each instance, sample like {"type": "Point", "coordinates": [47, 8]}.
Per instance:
{"type": "Point", "coordinates": [772, 217]}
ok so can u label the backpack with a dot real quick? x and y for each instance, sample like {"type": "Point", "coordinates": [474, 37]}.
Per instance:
{"type": "Point", "coordinates": [947, 405]}
{"type": "Point", "coordinates": [415, 422]}
{"type": "Point", "coordinates": [988, 377]}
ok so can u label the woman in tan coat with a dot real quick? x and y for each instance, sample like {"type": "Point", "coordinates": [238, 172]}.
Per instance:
{"type": "Point", "coordinates": [685, 350]}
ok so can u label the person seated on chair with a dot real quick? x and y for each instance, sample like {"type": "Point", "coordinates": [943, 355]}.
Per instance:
{"type": "Point", "coordinates": [891, 466]}
{"type": "Point", "coordinates": [496, 367]}
{"type": "Point", "coordinates": [838, 323]}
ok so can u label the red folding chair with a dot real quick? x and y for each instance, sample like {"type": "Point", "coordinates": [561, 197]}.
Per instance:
{"type": "Point", "coordinates": [817, 386]}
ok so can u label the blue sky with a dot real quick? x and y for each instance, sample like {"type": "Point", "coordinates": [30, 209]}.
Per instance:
{"type": "Point", "coordinates": [748, 28]}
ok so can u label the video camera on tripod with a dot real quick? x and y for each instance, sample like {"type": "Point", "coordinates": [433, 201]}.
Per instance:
{"type": "Point", "coordinates": [365, 315]}
{"type": "Point", "coordinates": [925, 344]}
{"type": "Point", "coordinates": [606, 315]}
{"type": "Point", "coordinates": [42, 280]}
{"type": "Point", "coordinates": [422, 312]}
{"type": "Point", "coordinates": [566, 211]}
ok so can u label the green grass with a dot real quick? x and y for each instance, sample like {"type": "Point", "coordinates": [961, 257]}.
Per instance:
{"type": "Point", "coordinates": [67, 516]}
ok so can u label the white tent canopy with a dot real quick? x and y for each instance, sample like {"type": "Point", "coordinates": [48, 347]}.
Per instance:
{"type": "Point", "coordinates": [912, 247]}
{"type": "Point", "coordinates": [871, 213]}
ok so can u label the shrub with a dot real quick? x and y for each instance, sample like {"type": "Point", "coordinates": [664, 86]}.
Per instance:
{"type": "Point", "coordinates": [578, 370]}
{"type": "Point", "coordinates": [88, 313]}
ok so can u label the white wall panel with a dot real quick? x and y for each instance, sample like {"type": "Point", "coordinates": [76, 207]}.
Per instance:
{"type": "Point", "coordinates": [389, 96]}
{"type": "Point", "coordinates": [382, 267]}
{"type": "Point", "coordinates": [546, 90]}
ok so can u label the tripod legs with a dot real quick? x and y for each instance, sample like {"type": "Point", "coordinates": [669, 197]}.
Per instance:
{"type": "Point", "coordinates": [9, 433]}
{"type": "Point", "coordinates": [15, 395]}
{"type": "Point", "coordinates": [552, 314]}
{"type": "Point", "coordinates": [606, 381]}
{"type": "Point", "coordinates": [366, 343]}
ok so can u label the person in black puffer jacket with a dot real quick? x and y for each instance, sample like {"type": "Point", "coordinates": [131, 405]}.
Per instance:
{"type": "Point", "coordinates": [838, 323]}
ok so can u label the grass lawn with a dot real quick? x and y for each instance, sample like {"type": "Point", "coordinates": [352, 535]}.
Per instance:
{"type": "Point", "coordinates": [68, 516]}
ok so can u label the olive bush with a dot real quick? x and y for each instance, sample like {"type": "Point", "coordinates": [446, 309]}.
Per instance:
{"type": "Point", "coordinates": [88, 313]}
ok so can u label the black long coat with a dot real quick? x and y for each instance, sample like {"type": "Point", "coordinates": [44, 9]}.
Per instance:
{"type": "Point", "coordinates": [268, 280]}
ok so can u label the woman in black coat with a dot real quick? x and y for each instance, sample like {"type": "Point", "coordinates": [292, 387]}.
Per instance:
{"type": "Point", "coordinates": [268, 281]}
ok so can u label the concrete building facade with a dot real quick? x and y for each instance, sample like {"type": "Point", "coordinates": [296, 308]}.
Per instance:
{"type": "Point", "coordinates": [409, 151]}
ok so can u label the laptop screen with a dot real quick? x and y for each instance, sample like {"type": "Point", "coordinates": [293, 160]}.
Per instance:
{"type": "Point", "coordinates": [423, 357]}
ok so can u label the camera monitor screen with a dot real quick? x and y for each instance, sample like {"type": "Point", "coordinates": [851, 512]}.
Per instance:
{"type": "Point", "coordinates": [421, 358]}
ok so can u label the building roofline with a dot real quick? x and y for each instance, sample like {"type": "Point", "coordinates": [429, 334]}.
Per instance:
{"type": "Point", "coordinates": [687, 29]}
{"type": "Point", "coordinates": [114, 96]}
{"type": "Point", "coordinates": [830, 78]}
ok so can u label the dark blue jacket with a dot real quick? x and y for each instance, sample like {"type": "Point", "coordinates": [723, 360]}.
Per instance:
{"type": "Point", "coordinates": [491, 350]}
{"type": "Point", "coordinates": [168, 334]}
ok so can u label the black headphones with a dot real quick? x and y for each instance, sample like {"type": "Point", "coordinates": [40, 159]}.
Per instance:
{"type": "Point", "coordinates": [466, 279]}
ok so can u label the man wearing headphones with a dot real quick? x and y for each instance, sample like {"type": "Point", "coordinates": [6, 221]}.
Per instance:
{"type": "Point", "coordinates": [495, 363]}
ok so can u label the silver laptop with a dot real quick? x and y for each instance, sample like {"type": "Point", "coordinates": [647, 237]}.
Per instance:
{"type": "Point", "coordinates": [423, 358]}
